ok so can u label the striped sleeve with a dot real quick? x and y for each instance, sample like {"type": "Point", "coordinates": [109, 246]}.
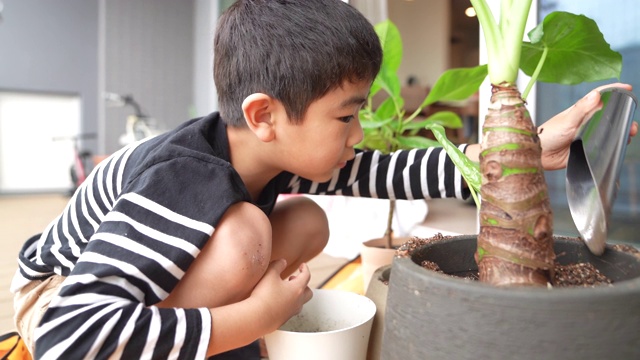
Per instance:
{"type": "Point", "coordinates": [405, 174]}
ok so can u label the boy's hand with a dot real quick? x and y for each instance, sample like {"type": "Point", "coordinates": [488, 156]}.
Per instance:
{"type": "Point", "coordinates": [557, 134]}
{"type": "Point", "coordinates": [281, 299]}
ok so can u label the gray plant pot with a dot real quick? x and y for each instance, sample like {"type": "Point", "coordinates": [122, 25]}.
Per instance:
{"type": "Point", "coordinates": [435, 316]}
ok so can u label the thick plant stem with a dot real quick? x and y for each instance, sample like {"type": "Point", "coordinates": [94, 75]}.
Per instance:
{"type": "Point", "coordinates": [515, 243]}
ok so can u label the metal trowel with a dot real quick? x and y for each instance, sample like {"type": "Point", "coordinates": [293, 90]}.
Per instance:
{"type": "Point", "coordinates": [595, 161]}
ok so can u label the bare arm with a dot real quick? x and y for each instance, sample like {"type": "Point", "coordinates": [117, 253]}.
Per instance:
{"type": "Point", "coordinates": [272, 303]}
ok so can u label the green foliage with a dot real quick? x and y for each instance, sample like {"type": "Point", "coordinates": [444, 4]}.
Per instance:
{"type": "Point", "coordinates": [576, 51]}
{"type": "Point", "coordinates": [388, 128]}
{"type": "Point", "coordinates": [457, 84]}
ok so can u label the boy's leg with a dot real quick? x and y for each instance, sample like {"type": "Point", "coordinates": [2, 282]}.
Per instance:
{"type": "Point", "coordinates": [300, 231]}
{"type": "Point", "coordinates": [30, 304]}
{"type": "Point", "coordinates": [242, 246]}
{"type": "Point", "coordinates": [230, 264]}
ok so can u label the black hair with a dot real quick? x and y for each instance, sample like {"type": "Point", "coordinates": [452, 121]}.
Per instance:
{"type": "Point", "coordinates": [292, 50]}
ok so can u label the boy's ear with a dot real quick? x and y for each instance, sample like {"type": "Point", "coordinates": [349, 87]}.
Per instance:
{"type": "Point", "coordinates": [259, 110]}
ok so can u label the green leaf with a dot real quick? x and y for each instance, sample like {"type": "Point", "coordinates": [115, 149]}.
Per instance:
{"type": "Point", "coordinates": [391, 43]}
{"type": "Point", "coordinates": [456, 84]}
{"type": "Point", "coordinates": [416, 142]}
{"type": "Point", "coordinates": [470, 171]}
{"type": "Point", "coordinates": [375, 122]}
{"type": "Point", "coordinates": [448, 119]}
{"type": "Point", "coordinates": [376, 141]}
{"type": "Point", "coordinates": [389, 81]}
{"type": "Point", "coordinates": [577, 51]}
{"type": "Point", "coordinates": [387, 109]}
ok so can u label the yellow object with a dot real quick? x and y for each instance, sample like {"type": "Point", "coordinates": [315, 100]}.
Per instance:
{"type": "Point", "coordinates": [13, 348]}
{"type": "Point", "coordinates": [347, 278]}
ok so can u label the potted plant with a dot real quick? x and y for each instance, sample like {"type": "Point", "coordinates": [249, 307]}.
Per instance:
{"type": "Point", "coordinates": [514, 312]}
{"type": "Point", "coordinates": [388, 127]}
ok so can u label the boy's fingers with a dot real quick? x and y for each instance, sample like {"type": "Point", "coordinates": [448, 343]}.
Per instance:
{"type": "Point", "coordinates": [590, 103]}
{"type": "Point", "coordinates": [633, 131]}
{"type": "Point", "coordinates": [303, 274]}
{"type": "Point", "coordinates": [619, 85]}
{"type": "Point", "coordinates": [308, 294]}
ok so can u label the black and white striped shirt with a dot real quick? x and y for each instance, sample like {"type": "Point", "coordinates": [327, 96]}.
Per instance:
{"type": "Point", "coordinates": [130, 232]}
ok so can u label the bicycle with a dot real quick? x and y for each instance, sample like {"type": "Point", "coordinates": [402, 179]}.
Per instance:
{"type": "Point", "coordinates": [82, 159]}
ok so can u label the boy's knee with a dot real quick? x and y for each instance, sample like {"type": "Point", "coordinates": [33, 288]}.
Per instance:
{"type": "Point", "coordinates": [230, 264]}
{"type": "Point", "coordinates": [247, 237]}
{"type": "Point", "coordinates": [318, 221]}
{"type": "Point", "coordinates": [311, 213]}
{"type": "Point", "coordinates": [304, 218]}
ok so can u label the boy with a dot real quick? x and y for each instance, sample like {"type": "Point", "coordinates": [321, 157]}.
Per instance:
{"type": "Point", "coordinates": [175, 246]}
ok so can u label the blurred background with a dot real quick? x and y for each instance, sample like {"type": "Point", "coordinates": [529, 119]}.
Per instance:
{"type": "Point", "coordinates": [67, 66]}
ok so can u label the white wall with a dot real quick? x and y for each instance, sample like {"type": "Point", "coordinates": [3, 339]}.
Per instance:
{"type": "Point", "coordinates": [205, 97]}
{"type": "Point", "coordinates": [149, 54]}
{"type": "Point", "coordinates": [424, 27]}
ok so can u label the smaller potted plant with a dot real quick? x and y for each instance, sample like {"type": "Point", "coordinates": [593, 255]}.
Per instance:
{"type": "Point", "coordinates": [388, 127]}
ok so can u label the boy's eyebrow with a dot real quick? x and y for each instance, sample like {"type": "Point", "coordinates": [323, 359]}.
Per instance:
{"type": "Point", "coordinates": [354, 100]}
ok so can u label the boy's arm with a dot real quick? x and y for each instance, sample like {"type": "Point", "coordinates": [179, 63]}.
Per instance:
{"type": "Point", "coordinates": [473, 152]}
{"type": "Point", "coordinates": [271, 304]}
{"type": "Point", "coordinates": [405, 174]}
{"type": "Point", "coordinates": [379, 176]}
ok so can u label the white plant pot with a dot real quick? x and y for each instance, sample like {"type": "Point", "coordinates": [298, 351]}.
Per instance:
{"type": "Point", "coordinates": [374, 255]}
{"type": "Point", "coordinates": [334, 325]}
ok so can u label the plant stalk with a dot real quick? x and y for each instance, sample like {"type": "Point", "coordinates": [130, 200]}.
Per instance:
{"type": "Point", "coordinates": [388, 234]}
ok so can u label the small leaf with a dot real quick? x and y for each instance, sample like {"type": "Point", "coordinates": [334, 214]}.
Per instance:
{"type": "Point", "coordinates": [374, 141]}
{"type": "Point", "coordinates": [469, 170]}
{"type": "Point", "coordinates": [387, 109]}
{"type": "Point", "coordinates": [577, 51]}
{"type": "Point", "coordinates": [375, 122]}
{"type": "Point", "coordinates": [389, 82]}
{"type": "Point", "coordinates": [456, 84]}
{"type": "Point", "coordinates": [448, 119]}
{"type": "Point", "coordinates": [391, 43]}
{"type": "Point", "coordinates": [416, 142]}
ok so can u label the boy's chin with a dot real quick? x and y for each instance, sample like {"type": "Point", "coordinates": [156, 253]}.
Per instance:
{"type": "Point", "coordinates": [322, 178]}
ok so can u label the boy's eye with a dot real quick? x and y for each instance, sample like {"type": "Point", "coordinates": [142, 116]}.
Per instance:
{"type": "Point", "coordinates": [346, 119]}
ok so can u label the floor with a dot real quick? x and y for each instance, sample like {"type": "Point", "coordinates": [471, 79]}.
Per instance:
{"type": "Point", "coordinates": [22, 216]}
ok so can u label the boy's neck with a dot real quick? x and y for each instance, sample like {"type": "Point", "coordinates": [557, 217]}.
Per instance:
{"type": "Point", "coordinates": [250, 158]}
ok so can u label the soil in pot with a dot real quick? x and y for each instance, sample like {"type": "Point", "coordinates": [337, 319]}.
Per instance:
{"type": "Point", "coordinates": [583, 274]}
{"type": "Point", "coordinates": [431, 315]}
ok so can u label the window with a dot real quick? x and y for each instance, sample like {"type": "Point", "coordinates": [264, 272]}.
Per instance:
{"type": "Point", "coordinates": [31, 158]}
{"type": "Point", "coordinates": [618, 22]}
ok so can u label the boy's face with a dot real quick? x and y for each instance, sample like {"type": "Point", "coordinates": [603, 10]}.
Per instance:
{"type": "Point", "coordinates": [324, 141]}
